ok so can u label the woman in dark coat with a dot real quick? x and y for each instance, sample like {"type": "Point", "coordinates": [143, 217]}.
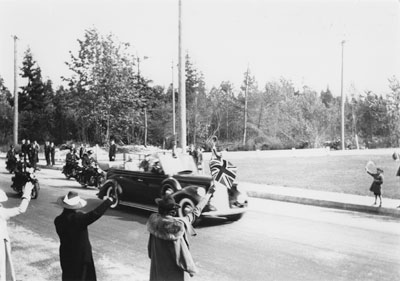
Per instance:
{"type": "Point", "coordinates": [75, 250]}
{"type": "Point", "coordinates": [168, 245]}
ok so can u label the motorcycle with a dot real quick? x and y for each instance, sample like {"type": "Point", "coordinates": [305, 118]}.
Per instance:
{"type": "Point", "coordinates": [21, 178]}
{"type": "Point", "coordinates": [72, 170]}
{"type": "Point", "coordinates": [93, 176]}
{"type": "Point", "coordinates": [11, 164]}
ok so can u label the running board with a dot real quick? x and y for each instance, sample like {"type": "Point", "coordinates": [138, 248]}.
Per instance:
{"type": "Point", "coordinates": [139, 206]}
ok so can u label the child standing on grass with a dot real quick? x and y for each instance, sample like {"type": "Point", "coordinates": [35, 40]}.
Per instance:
{"type": "Point", "coordinates": [376, 185]}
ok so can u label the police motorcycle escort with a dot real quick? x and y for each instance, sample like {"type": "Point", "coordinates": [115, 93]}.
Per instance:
{"type": "Point", "coordinates": [11, 162]}
{"type": "Point", "coordinates": [25, 173]}
{"type": "Point", "coordinates": [92, 174]}
{"type": "Point", "coordinates": [72, 167]}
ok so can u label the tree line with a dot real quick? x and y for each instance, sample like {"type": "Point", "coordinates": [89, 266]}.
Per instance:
{"type": "Point", "coordinates": [106, 97]}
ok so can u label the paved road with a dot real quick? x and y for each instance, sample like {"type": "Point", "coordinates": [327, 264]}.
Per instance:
{"type": "Point", "coordinates": [273, 241]}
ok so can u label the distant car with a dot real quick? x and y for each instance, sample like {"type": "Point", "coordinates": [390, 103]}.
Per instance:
{"type": "Point", "coordinates": [162, 174]}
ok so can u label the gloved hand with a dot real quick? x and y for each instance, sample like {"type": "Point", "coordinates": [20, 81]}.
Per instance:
{"type": "Point", "coordinates": [27, 190]}
{"type": "Point", "coordinates": [211, 190]}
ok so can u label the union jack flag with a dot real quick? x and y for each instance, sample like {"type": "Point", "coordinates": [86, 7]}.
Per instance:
{"type": "Point", "coordinates": [223, 171]}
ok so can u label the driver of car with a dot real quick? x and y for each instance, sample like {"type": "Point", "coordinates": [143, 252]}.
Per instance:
{"type": "Point", "coordinates": [157, 168]}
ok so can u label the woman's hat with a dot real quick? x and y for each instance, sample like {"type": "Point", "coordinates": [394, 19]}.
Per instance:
{"type": "Point", "coordinates": [167, 203]}
{"type": "Point", "coordinates": [71, 201]}
{"type": "Point", "coordinates": [3, 196]}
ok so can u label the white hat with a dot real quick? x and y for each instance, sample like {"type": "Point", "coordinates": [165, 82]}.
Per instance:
{"type": "Point", "coordinates": [3, 196]}
{"type": "Point", "coordinates": [71, 201]}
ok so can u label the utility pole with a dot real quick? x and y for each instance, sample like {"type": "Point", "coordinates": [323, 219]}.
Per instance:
{"type": "Point", "coordinates": [173, 105]}
{"type": "Point", "coordinates": [342, 96]}
{"type": "Point", "coordinates": [182, 84]}
{"type": "Point", "coordinates": [245, 106]}
{"type": "Point", "coordinates": [15, 94]}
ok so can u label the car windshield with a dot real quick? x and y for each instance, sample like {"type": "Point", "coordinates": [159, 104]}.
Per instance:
{"type": "Point", "coordinates": [183, 163]}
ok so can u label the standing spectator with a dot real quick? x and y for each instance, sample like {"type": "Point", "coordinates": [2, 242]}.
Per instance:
{"type": "Point", "coordinates": [5, 247]}
{"type": "Point", "coordinates": [24, 149]}
{"type": "Point", "coordinates": [112, 151]}
{"type": "Point", "coordinates": [81, 151]}
{"type": "Point", "coordinates": [52, 153]}
{"type": "Point", "coordinates": [76, 257]}
{"type": "Point", "coordinates": [47, 152]}
{"type": "Point", "coordinates": [377, 185]}
{"type": "Point", "coordinates": [168, 245]}
{"type": "Point", "coordinates": [199, 158]}
{"type": "Point", "coordinates": [396, 157]}
{"type": "Point", "coordinates": [35, 152]}
{"type": "Point", "coordinates": [29, 151]}
{"type": "Point", "coordinates": [11, 159]}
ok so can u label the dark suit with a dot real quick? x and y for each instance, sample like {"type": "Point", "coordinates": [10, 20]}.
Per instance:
{"type": "Point", "coordinates": [75, 250]}
{"type": "Point", "coordinates": [111, 153]}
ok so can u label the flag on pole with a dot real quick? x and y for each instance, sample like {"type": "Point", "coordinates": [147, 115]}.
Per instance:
{"type": "Point", "coordinates": [223, 172]}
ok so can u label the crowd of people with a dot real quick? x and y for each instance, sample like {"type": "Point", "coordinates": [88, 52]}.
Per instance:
{"type": "Point", "coordinates": [29, 153]}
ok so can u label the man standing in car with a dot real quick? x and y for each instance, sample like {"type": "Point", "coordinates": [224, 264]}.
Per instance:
{"type": "Point", "coordinates": [168, 245]}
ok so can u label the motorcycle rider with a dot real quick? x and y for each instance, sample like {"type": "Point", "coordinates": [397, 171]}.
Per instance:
{"type": "Point", "coordinates": [11, 159]}
{"type": "Point", "coordinates": [70, 160]}
{"type": "Point", "coordinates": [87, 166]}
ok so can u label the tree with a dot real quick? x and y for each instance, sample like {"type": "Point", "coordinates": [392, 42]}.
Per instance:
{"type": "Point", "coordinates": [109, 95]}
{"type": "Point", "coordinates": [393, 108]}
{"type": "Point", "coordinates": [6, 116]}
{"type": "Point", "coordinates": [33, 100]}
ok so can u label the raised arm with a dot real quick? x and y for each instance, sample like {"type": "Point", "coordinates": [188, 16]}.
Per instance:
{"type": "Point", "coordinates": [85, 219]}
{"type": "Point", "coordinates": [200, 206]}
{"type": "Point", "coordinates": [26, 198]}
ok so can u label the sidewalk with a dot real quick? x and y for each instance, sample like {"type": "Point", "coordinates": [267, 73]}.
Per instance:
{"type": "Point", "coordinates": [326, 199]}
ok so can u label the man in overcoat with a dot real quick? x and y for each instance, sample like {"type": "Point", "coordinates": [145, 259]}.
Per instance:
{"type": "Point", "coordinates": [112, 151]}
{"type": "Point", "coordinates": [168, 246]}
{"type": "Point", "coordinates": [47, 152]}
{"type": "Point", "coordinates": [75, 250]}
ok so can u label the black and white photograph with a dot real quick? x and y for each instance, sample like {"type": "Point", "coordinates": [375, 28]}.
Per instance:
{"type": "Point", "coordinates": [226, 140]}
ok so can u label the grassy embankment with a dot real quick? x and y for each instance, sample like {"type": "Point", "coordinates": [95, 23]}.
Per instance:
{"type": "Point", "coordinates": [330, 172]}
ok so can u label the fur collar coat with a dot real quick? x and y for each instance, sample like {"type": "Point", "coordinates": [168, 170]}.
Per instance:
{"type": "Point", "coordinates": [168, 248]}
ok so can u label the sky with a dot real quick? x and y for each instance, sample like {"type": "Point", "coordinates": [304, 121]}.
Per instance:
{"type": "Point", "coordinates": [298, 40]}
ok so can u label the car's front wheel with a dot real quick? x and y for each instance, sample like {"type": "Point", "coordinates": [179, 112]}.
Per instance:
{"type": "Point", "coordinates": [187, 206]}
{"type": "Point", "coordinates": [112, 192]}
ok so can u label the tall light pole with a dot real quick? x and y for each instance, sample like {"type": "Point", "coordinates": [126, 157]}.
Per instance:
{"type": "Point", "coordinates": [245, 107]}
{"type": "Point", "coordinates": [342, 96]}
{"type": "Point", "coordinates": [173, 105]}
{"type": "Point", "coordinates": [15, 94]}
{"type": "Point", "coordinates": [182, 84]}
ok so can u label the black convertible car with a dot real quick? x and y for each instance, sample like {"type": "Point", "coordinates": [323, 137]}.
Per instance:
{"type": "Point", "coordinates": [161, 173]}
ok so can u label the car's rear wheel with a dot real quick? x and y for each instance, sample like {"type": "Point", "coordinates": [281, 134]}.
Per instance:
{"type": "Point", "coordinates": [187, 206]}
{"type": "Point", "coordinates": [112, 192]}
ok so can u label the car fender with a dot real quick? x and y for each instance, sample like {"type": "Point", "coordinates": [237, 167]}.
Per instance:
{"type": "Point", "coordinates": [170, 183]}
{"type": "Point", "coordinates": [104, 187]}
{"type": "Point", "coordinates": [190, 191]}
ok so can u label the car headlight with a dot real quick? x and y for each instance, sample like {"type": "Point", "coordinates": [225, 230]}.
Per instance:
{"type": "Point", "coordinates": [242, 198]}
{"type": "Point", "coordinates": [201, 191]}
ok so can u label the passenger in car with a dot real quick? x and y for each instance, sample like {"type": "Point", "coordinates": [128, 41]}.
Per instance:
{"type": "Point", "coordinates": [168, 245]}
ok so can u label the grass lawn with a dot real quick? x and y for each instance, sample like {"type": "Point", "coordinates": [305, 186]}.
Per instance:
{"type": "Point", "coordinates": [337, 173]}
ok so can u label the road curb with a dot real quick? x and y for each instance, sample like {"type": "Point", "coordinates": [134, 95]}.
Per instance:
{"type": "Point", "coordinates": [326, 203]}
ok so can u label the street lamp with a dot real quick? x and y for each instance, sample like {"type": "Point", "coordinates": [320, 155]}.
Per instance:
{"type": "Point", "coordinates": [342, 96]}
